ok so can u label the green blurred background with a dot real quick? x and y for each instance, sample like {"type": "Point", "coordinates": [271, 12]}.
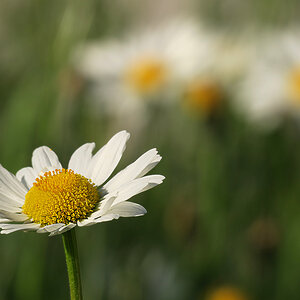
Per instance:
{"type": "Point", "coordinates": [228, 213]}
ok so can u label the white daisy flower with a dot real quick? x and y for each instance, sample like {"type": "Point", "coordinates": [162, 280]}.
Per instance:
{"type": "Point", "coordinates": [271, 89]}
{"type": "Point", "coordinates": [145, 66]}
{"type": "Point", "coordinates": [47, 198]}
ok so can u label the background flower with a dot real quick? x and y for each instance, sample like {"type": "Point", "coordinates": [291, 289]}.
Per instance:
{"type": "Point", "coordinates": [145, 66]}
{"type": "Point", "coordinates": [270, 91]}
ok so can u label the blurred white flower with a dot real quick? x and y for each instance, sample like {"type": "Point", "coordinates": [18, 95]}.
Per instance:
{"type": "Point", "coordinates": [225, 63]}
{"type": "Point", "coordinates": [270, 91]}
{"type": "Point", "coordinates": [146, 66]}
{"type": "Point", "coordinates": [234, 55]}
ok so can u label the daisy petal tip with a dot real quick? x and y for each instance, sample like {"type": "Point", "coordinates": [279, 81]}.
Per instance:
{"type": "Point", "coordinates": [36, 150]}
{"type": "Point", "coordinates": [157, 156]}
{"type": "Point", "coordinates": [4, 232]}
{"type": "Point", "coordinates": [124, 134]}
{"type": "Point", "coordinates": [142, 212]}
{"type": "Point", "coordinates": [92, 145]}
{"type": "Point", "coordinates": [154, 152]}
{"type": "Point", "coordinates": [157, 179]}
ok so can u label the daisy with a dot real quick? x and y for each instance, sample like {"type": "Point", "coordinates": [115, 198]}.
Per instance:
{"type": "Point", "coordinates": [47, 198]}
{"type": "Point", "coordinates": [145, 66]}
{"type": "Point", "coordinates": [270, 91]}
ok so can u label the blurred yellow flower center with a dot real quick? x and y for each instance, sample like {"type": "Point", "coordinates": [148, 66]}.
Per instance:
{"type": "Point", "coordinates": [227, 293]}
{"type": "Point", "coordinates": [203, 95]}
{"type": "Point", "coordinates": [294, 85]}
{"type": "Point", "coordinates": [60, 196]}
{"type": "Point", "coordinates": [145, 74]}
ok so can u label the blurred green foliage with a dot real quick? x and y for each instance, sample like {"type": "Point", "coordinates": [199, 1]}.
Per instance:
{"type": "Point", "coordinates": [228, 212]}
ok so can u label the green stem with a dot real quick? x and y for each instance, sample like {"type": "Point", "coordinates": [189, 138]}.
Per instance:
{"type": "Point", "coordinates": [71, 252]}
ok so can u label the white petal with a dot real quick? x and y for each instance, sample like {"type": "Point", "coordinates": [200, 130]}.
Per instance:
{"type": "Point", "coordinates": [67, 227]}
{"type": "Point", "coordinates": [10, 202]}
{"type": "Point", "coordinates": [86, 222]}
{"type": "Point", "coordinates": [106, 218]}
{"type": "Point", "coordinates": [11, 185]}
{"type": "Point", "coordinates": [104, 206]}
{"type": "Point", "coordinates": [27, 176]}
{"type": "Point", "coordinates": [128, 209]}
{"type": "Point", "coordinates": [13, 217]}
{"type": "Point", "coordinates": [51, 228]}
{"type": "Point", "coordinates": [138, 186]}
{"type": "Point", "coordinates": [44, 159]}
{"type": "Point", "coordinates": [106, 159]}
{"type": "Point", "coordinates": [9, 228]}
{"type": "Point", "coordinates": [140, 167]}
{"type": "Point", "coordinates": [80, 159]}
{"type": "Point", "coordinates": [62, 229]}
{"type": "Point", "coordinates": [124, 209]}
{"type": "Point", "coordinates": [4, 220]}
{"type": "Point", "coordinates": [10, 208]}
{"type": "Point", "coordinates": [106, 211]}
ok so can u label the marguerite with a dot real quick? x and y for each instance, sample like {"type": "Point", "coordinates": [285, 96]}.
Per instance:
{"type": "Point", "coordinates": [150, 65]}
{"type": "Point", "coordinates": [47, 198]}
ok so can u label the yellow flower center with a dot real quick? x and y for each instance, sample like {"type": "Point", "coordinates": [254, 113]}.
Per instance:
{"type": "Point", "coordinates": [203, 95]}
{"type": "Point", "coordinates": [294, 85]}
{"type": "Point", "coordinates": [60, 196]}
{"type": "Point", "coordinates": [145, 75]}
